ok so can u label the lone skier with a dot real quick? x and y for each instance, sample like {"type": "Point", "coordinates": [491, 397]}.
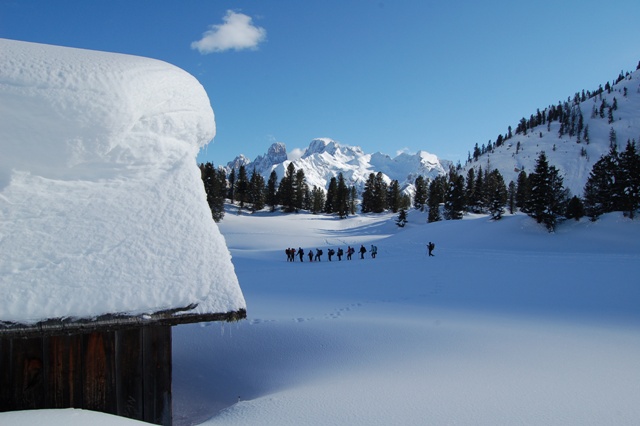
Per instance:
{"type": "Point", "coordinates": [431, 246]}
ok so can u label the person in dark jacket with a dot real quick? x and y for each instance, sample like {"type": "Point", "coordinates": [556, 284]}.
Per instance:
{"type": "Point", "coordinates": [301, 254]}
{"type": "Point", "coordinates": [430, 247]}
{"type": "Point", "coordinates": [362, 251]}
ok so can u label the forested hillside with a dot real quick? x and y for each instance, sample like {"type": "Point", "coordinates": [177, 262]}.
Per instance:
{"type": "Point", "coordinates": [574, 158]}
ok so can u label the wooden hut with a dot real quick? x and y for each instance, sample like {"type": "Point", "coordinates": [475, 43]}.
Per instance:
{"type": "Point", "coordinates": [106, 237]}
{"type": "Point", "coordinates": [114, 364]}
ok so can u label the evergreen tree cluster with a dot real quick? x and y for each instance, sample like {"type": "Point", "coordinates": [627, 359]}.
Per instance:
{"type": "Point", "coordinates": [453, 195]}
{"type": "Point", "coordinates": [567, 113]}
{"type": "Point", "coordinates": [379, 196]}
{"type": "Point", "coordinates": [215, 186]}
{"type": "Point", "coordinates": [291, 193]}
{"type": "Point", "coordinates": [613, 185]}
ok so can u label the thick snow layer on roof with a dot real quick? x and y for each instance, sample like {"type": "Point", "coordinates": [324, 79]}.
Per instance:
{"type": "Point", "coordinates": [102, 209]}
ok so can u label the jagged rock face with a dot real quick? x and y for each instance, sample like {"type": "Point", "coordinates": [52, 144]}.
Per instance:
{"type": "Point", "coordinates": [325, 158]}
{"type": "Point", "coordinates": [276, 154]}
{"type": "Point", "coordinates": [240, 160]}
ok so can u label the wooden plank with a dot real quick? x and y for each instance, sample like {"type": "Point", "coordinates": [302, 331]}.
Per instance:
{"type": "Point", "coordinates": [156, 349]}
{"type": "Point", "coordinates": [75, 373]}
{"type": "Point", "coordinates": [98, 381]}
{"type": "Point", "coordinates": [63, 371]}
{"type": "Point", "coordinates": [129, 373]}
{"type": "Point", "coordinates": [26, 374]}
{"type": "Point", "coordinates": [6, 384]}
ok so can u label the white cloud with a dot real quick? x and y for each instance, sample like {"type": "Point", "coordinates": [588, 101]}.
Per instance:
{"type": "Point", "coordinates": [404, 150]}
{"type": "Point", "coordinates": [237, 32]}
{"type": "Point", "coordinates": [295, 154]}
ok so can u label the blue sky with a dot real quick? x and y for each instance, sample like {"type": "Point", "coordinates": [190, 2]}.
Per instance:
{"type": "Point", "coordinates": [387, 76]}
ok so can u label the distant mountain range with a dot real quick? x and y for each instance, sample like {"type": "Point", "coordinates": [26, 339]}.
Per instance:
{"type": "Point", "coordinates": [574, 134]}
{"type": "Point", "coordinates": [326, 158]}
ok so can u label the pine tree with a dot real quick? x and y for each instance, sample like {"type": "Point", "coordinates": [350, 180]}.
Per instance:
{"type": "Point", "coordinates": [367, 194]}
{"type": "Point", "coordinates": [318, 200]}
{"type": "Point", "coordinates": [522, 191]}
{"type": "Point", "coordinates": [329, 206]}
{"type": "Point", "coordinates": [341, 203]}
{"type": "Point", "coordinates": [470, 188]}
{"type": "Point", "coordinates": [496, 193]}
{"type": "Point", "coordinates": [272, 188]}
{"type": "Point", "coordinates": [306, 199]}
{"type": "Point", "coordinates": [547, 201]}
{"type": "Point", "coordinates": [586, 134]}
{"type": "Point", "coordinates": [379, 194]}
{"type": "Point", "coordinates": [511, 197]}
{"type": "Point", "coordinates": [215, 186]}
{"type": "Point", "coordinates": [393, 196]}
{"type": "Point", "coordinates": [599, 196]}
{"type": "Point", "coordinates": [232, 185]}
{"type": "Point", "coordinates": [420, 196]}
{"type": "Point", "coordinates": [353, 200]}
{"type": "Point", "coordinates": [256, 191]}
{"type": "Point", "coordinates": [287, 189]}
{"type": "Point", "coordinates": [575, 208]}
{"type": "Point", "coordinates": [628, 179]}
{"type": "Point", "coordinates": [613, 138]}
{"type": "Point", "coordinates": [242, 186]}
{"type": "Point", "coordinates": [476, 204]}
{"type": "Point", "coordinates": [301, 189]}
{"type": "Point", "coordinates": [454, 202]}
{"type": "Point", "coordinates": [401, 221]}
{"type": "Point", "coordinates": [436, 196]}
{"type": "Point", "coordinates": [405, 201]}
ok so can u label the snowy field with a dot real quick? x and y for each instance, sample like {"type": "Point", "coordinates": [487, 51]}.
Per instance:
{"type": "Point", "coordinates": [507, 324]}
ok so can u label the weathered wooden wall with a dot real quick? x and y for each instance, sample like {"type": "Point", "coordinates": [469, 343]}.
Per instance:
{"type": "Point", "coordinates": [124, 372]}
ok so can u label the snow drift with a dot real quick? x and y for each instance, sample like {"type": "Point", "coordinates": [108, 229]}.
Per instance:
{"type": "Point", "coordinates": [102, 209]}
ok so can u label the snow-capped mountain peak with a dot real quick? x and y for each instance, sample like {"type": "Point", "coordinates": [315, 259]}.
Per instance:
{"type": "Point", "coordinates": [325, 158]}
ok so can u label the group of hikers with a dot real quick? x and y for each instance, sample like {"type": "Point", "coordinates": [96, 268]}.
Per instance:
{"type": "Point", "coordinates": [317, 255]}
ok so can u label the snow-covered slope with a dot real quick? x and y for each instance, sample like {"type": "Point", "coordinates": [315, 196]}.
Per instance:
{"type": "Point", "coordinates": [102, 208]}
{"type": "Point", "coordinates": [325, 158]}
{"type": "Point", "coordinates": [574, 159]}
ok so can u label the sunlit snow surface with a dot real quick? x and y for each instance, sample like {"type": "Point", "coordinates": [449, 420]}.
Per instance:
{"type": "Point", "coordinates": [102, 209]}
{"type": "Point", "coordinates": [507, 325]}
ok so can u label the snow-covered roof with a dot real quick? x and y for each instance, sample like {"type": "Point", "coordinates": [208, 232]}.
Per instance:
{"type": "Point", "coordinates": [102, 208]}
